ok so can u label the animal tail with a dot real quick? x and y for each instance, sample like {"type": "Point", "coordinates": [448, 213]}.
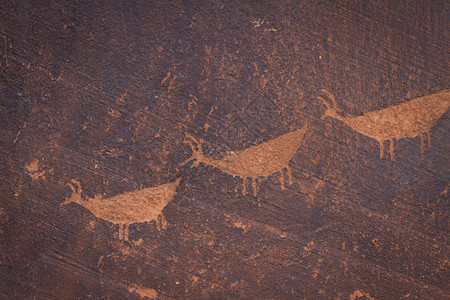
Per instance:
{"type": "Point", "coordinates": [76, 192]}
{"type": "Point", "coordinates": [174, 184]}
{"type": "Point", "coordinates": [197, 152]}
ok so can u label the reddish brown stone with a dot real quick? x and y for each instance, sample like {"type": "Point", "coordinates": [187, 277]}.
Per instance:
{"type": "Point", "coordinates": [99, 99]}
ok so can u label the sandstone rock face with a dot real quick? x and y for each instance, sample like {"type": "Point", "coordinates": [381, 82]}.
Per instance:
{"type": "Point", "coordinates": [224, 150]}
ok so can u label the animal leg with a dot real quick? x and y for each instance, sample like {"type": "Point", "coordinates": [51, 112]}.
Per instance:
{"type": "Point", "coordinates": [125, 236]}
{"type": "Point", "coordinates": [391, 148]}
{"type": "Point", "coordinates": [289, 172]}
{"type": "Point", "coordinates": [158, 223]}
{"type": "Point", "coordinates": [254, 186]}
{"type": "Point", "coordinates": [381, 149]}
{"type": "Point", "coordinates": [282, 180]}
{"type": "Point", "coordinates": [163, 221]}
{"type": "Point", "coordinates": [244, 186]}
{"type": "Point", "coordinates": [429, 139]}
{"type": "Point", "coordinates": [120, 232]}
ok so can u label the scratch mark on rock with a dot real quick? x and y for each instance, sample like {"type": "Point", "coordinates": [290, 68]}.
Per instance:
{"type": "Point", "coordinates": [18, 133]}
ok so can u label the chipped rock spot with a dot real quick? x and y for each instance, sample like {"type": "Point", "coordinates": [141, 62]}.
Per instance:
{"type": "Point", "coordinates": [239, 224]}
{"type": "Point", "coordinates": [3, 216]}
{"type": "Point", "coordinates": [257, 23]}
{"type": "Point", "coordinates": [247, 224]}
{"type": "Point", "coordinates": [121, 99]}
{"type": "Point", "coordinates": [138, 242]}
{"type": "Point", "coordinates": [125, 251]}
{"type": "Point", "coordinates": [445, 191]}
{"type": "Point", "coordinates": [309, 246]}
{"type": "Point", "coordinates": [143, 292]}
{"type": "Point", "coordinates": [358, 294]}
{"type": "Point", "coordinates": [34, 171]}
{"type": "Point", "coordinates": [113, 113]}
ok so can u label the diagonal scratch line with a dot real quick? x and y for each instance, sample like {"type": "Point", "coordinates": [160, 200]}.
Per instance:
{"type": "Point", "coordinates": [18, 133]}
{"type": "Point", "coordinates": [238, 116]}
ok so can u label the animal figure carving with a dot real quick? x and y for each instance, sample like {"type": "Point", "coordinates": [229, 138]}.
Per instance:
{"type": "Point", "coordinates": [260, 160]}
{"type": "Point", "coordinates": [408, 119]}
{"type": "Point", "coordinates": [130, 207]}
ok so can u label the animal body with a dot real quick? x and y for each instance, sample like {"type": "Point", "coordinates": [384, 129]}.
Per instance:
{"type": "Point", "coordinates": [259, 160]}
{"type": "Point", "coordinates": [408, 119]}
{"type": "Point", "coordinates": [130, 207]}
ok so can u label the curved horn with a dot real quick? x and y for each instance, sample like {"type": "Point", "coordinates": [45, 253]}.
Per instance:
{"type": "Point", "coordinates": [77, 185]}
{"type": "Point", "coordinates": [324, 101]}
{"type": "Point", "coordinates": [331, 96]}
{"type": "Point", "coordinates": [74, 191]}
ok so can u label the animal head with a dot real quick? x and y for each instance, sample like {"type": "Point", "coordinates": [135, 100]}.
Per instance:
{"type": "Point", "coordinates": [332, 110]}
{"type": "Point", "coordinates": [197, 152]}
{"type": "Point", "coordinates": [76, 193]}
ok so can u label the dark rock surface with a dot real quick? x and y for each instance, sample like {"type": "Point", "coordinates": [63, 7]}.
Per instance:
{"type": "Point", "coordinates": [106, 93]}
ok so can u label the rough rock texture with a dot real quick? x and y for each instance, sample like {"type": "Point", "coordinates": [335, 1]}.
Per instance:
{"type": "Point", "coordinates": [106, 102]}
